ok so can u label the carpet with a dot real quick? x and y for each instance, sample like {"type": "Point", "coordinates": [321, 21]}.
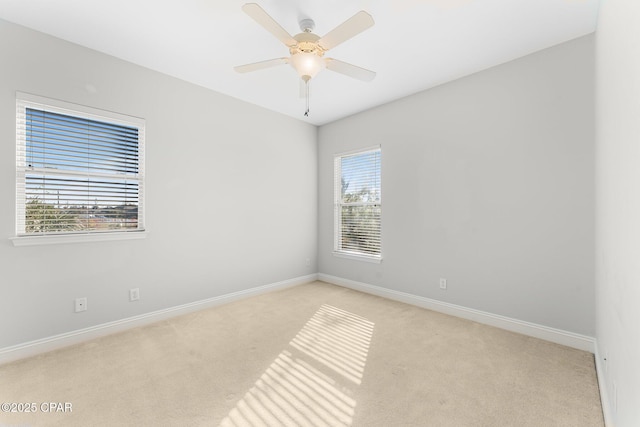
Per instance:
{"type": "Point", "coordinates": [312, 355]}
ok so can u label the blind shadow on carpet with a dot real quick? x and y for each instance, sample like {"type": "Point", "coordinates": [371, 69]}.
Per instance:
{"type": "Point", "coordinates": [313, 380]}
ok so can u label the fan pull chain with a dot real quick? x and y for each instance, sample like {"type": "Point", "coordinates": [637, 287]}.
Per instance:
{"type": "Point", "coordinates": [306, 95]}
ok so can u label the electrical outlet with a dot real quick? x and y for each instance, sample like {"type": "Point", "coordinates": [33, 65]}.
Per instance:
{"type": "Point", "coordinates": [81, 304]}
{"type": "Point", "coordinates": [443, 283]}
{"type": "Point", "coordinates": [308, 262]}
{"type": "Point", "coordinates": [134, 294]}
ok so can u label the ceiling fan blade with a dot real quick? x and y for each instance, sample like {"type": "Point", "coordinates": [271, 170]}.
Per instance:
{"type": "Point", "coordinates": [261, 17]}
{"type": "Point", "coordinates": [348, 29]}
{"type": "Point", "coordinates": [350, 70]}
{"type": "Point", "coordinates": [260, 65]}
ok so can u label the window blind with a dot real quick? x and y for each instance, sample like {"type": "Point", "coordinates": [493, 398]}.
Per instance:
{"type": "Point", "coordinates": [76, 172]}
{"type": "Point", "coordinates": [358, 203]}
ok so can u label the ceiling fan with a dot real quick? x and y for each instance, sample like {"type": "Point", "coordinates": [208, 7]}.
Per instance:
{"type": "Point", "coordinates": [307, 49]}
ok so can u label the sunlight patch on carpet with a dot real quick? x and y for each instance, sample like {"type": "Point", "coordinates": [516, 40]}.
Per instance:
{"type": "Point", "coordinates": [292, 392]}
{"type": "Point", "coordinates": [337, 339]}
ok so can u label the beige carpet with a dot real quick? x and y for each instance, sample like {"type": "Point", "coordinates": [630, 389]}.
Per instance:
{"type": "Point", "coordinates": [313, 355]}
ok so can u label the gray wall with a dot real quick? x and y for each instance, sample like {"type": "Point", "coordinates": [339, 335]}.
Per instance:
{"type": "Point", "coordinates": [231, 199]}
{"type": "Point", "coordinates": [618, 208]}
{"type": "Point", "coordinates": [487, 182]}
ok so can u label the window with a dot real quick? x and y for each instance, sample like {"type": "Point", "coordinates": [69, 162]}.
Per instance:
{"type": "Point", "coordinates": [79, 170]}
{"type": "Point", "coordinates": [358, 204]}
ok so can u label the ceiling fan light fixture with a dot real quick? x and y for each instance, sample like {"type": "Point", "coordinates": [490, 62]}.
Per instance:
{"type": "Point", "coordinates": [308, 65]}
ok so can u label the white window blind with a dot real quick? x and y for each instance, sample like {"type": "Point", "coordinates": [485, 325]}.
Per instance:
{"type": "Point", "coordinates": [79, 170]}
{"type": "Point", "coordinates": [358, 203]}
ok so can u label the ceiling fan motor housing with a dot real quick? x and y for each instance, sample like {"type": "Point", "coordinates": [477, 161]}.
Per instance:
{"type": "Point", "coordinates": [307, 43]}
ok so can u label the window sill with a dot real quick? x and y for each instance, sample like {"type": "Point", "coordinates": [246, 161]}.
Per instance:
{"type": "Point", "coordinates": [358, 257]}
{"type": "Point", "coordinates": [76, 238]}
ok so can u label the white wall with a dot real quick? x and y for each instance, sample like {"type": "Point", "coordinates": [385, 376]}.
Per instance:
{"type": "Point", "coordinates": [618, 208]}
{"type": "Point", "coordinates": [231, 199]}
{"type": "Point", "coordinates": [487, 182]}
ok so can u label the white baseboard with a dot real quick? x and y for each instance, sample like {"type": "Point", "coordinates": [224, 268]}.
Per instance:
{"type": "Point", "coordinates": [558, 336]}
{"type": "Point", "coordinates": [602, 385]}
{"type": "Point", "coordinates": [43, 345]}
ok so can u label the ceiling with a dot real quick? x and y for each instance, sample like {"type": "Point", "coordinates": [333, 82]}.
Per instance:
{"type": "Point", "coordinates": [414, 45]}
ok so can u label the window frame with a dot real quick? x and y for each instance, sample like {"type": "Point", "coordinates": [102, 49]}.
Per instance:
{"type": "Point", "coordinates": [337, 202]}
{"type": "Point", "coordinates": [21, 238]}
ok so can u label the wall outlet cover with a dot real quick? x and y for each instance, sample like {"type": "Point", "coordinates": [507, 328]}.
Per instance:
{"type": "Point", "coordinates": [81, 304]}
